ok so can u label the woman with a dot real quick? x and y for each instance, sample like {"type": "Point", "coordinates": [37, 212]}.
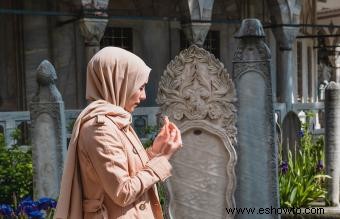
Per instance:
{"type": "Point", "coordinates": [108, 174]}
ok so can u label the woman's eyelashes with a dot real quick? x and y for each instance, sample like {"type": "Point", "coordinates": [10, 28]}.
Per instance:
{"type": "Point", "coordinates": [142, 87]}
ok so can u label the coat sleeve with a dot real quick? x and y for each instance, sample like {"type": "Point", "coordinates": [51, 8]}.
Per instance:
{"type": "Point", "coordinates": [108, 157]}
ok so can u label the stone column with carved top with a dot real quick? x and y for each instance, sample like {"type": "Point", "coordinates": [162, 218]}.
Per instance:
{"type": "Point", "coordinates": [93, 25]}
{"type": "Point", "coordinates": [257, 180]}
{"type": "Point", "coordinates": [284, 15]}
{"type": "Point", "coordinates": [195, 21]}
{"type": "Point", "coordinates": [92, 30]}
{"type": "Point", "coordinates": [48, 133]}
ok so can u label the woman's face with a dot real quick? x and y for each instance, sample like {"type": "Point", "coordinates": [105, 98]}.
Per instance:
{"type": "Point", "coordinates": [135, 99]}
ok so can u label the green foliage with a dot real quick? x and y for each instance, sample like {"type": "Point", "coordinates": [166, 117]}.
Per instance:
{"type": "Point", "coordinates": [16, 171]}
{"type": "Point", "coordinates": [147, 143]}
{"type": "Point", "coordinates": [150, 132]}
{"type": "Point", "coordinates": [150, 129]}
{"type": "Point", "coordinates": [161, 193]}
{"type": "Point", "coordinates": [302, 178]}
{"type": "Point", "coordinates": [70, 125]}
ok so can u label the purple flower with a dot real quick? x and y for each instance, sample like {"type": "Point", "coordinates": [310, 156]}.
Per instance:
{"type": "Point", "coordinates": [284, 167]}
{"type": "Point", "coordinates": [26, 206]}
{"type": "Point", "coordinates": [6, 210]}
{"type": "Point", "coordinates": [300, 134]}
{"type": "Point", "coordinates": [35, 214]}
{"type": "Point", "coordinates": [46, 203]}
{"type": "Point", "coordinates": [319, 166]}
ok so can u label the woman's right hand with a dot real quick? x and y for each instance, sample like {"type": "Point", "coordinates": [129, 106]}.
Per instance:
{"type": "Point", "coordinates": [174, 143]}
{"type": "Point", "coordinates": [168, 141]}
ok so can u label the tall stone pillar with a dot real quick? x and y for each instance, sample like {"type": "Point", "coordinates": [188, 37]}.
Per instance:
{"type": "Point", "coordinates": [332, 140]}
{"type": "Point", "coordinates": [257, 180]}
{"type": "Point", "coordinates": [48, 133]}
{"type": "Point", "coordinates": [92, 30]}
{"type": "Point", "coordinates": [285, 13]}
{"type": "Point", "coordinates": [286, 37]}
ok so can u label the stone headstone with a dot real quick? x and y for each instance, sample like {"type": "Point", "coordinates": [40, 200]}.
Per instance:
{"type": "Point", "coordinates": [197, 94]}
{"type": "Point", "coordinates": [291, 126]}
{"type": "Point", "coordinates": [332, 140]}
{"type": "Point", "coordinates": [257, 182]}
{"type": "Point", "coordinates": [48, 133]}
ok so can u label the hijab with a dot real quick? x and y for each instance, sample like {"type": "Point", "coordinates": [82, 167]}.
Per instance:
{"type": "Point", "coordinates": [113, 76]}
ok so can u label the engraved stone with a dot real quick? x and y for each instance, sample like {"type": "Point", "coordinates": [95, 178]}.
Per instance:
{"type": "Point", "coordinates": [196, 93]}
{"type": "Point", "coordinates": [257, 183]}
{"type": "Point", "coordinates": [48, 133]}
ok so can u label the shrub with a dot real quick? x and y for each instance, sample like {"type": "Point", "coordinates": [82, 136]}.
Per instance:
{"type": "Point", "coordinates": [16, 171]}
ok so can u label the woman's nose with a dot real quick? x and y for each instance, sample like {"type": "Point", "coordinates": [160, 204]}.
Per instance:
{"type": "Point", "coordinates": [143, 95]}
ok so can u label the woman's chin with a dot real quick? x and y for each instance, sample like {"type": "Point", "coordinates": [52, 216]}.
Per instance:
{"type": "Point", "coordinates": [130, 109]}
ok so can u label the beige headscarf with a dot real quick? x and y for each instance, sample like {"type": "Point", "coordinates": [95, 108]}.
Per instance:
{"type": "Point", "coordinates": [113, 76]}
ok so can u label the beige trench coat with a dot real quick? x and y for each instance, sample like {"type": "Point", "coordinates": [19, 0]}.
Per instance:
{"type": "Point", "coordinates": [118, 176]}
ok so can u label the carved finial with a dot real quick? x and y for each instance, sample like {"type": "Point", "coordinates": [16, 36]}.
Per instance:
{"type": "Point", "coordinates": [46, 74]}
{"type": "Point", "coordinates": [46, 77]}
{"type": "Point", "coordinates": [251, 28]}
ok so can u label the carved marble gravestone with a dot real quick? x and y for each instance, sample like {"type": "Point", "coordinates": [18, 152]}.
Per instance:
{"type": "Point", "coordinates": [197, 94]}
{"type": "Point", "coordinates": [48, 134]}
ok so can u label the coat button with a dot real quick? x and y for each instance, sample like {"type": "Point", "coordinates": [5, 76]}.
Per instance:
{"type": "Point", "coordinates": [142, 207]}
{"type": "Point", "coordinates": [135, 151]}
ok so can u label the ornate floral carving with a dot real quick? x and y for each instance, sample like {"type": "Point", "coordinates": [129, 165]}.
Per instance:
{"type": "Point", "coordinates": [196, 86]}
{"type": "Point", "coordinates": [251, 50]}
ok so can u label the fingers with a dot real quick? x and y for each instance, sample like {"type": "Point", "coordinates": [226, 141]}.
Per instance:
{"type": "Point", "coordinates": [173, 134]}
{"type": "Point", "coordinates": [178, 137]}
{"type": "Point", "coordinates": [162, 131]}
{"type": "Point", "coordinates": [166, 120]}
